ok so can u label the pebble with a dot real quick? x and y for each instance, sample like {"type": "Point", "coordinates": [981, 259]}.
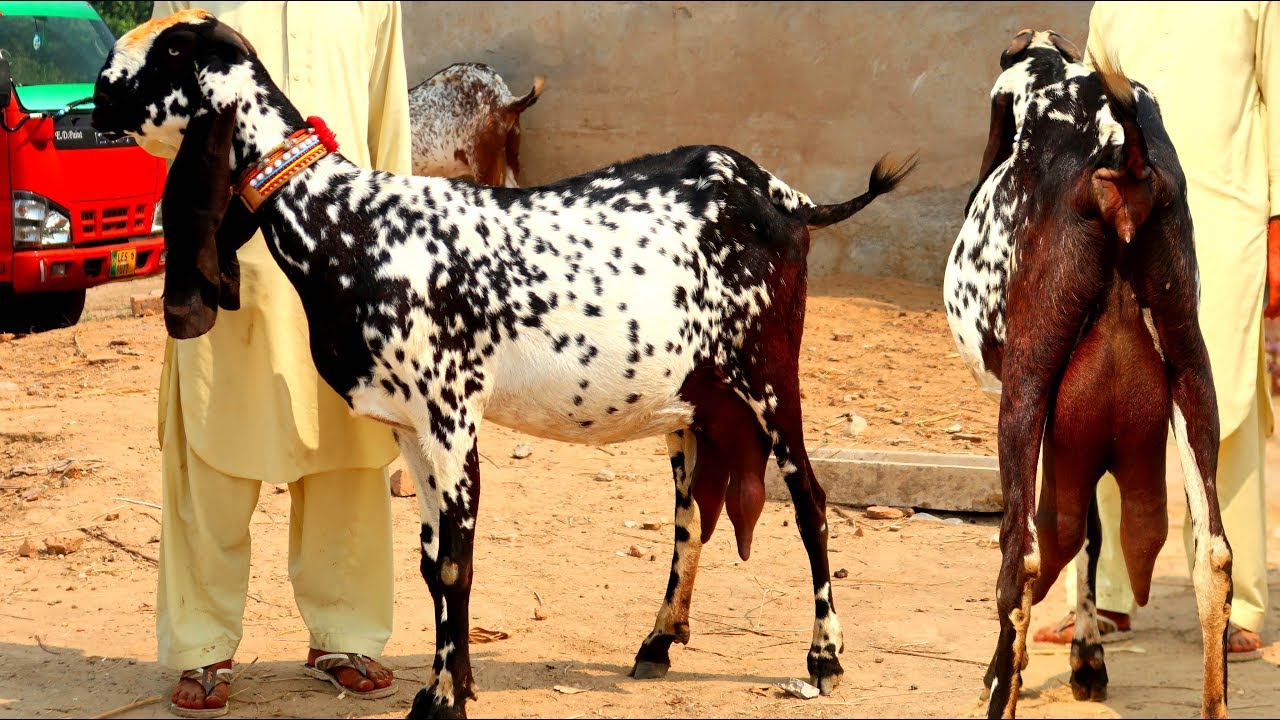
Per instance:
{"type": "Point", "coordinates": [522, 451]}
{"type": "Point", "coordinates": [606, 476]}
{"type": "Point", "coordinates": [895, 528]}
{"type": "Point", "coordinates": [841, 574]}
{"type": "Point", "coordinates": [635, 552]}
{"type": "Point", "coordinates": [935, 518]}
{"type": "Point", "coordinates": [653, 525]}
{"type": "Point", "coordinates": [28, 549]}
{"type": "Point", "coordinates": [628, 523]}
{"type": "Point", "coordinates": [540, 614]}
{"type": "Point", "coordinates": [797, 688]}
{"type": "Point", "coordinates": [880, 512]}
{"type": "Point", "coordinates": [857, 424]}
{"type": "Point", "coordinates": [842, 337]}
{"type": "Point", "coordinates": [966, 436]}
{"type": "Point", "coordinates": [63, 545]}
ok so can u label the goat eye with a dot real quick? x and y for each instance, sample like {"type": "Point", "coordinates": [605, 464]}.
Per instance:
{"type": "Point", "coordinates": [173, 52]}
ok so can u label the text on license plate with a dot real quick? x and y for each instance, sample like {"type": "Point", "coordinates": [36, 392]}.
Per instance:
{"type": "Point", "coordinates": [123, 262]}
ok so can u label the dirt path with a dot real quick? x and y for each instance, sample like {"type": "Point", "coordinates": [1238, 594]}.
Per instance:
{"type": "Point", "coordinates": [77, 632]}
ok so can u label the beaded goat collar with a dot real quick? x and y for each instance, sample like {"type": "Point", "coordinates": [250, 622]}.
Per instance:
{"type": "Point", "coordinates": [298, 152]}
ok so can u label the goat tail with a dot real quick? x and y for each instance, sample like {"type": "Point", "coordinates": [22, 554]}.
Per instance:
{"type": "Point", "coordinates": [1132, 156]}
{"type": "Point", "coordinates": [885, 176]}
{"type": "Point", "coordinates": [521, 104]}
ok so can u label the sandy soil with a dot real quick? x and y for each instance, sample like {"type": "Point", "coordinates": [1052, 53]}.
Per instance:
{"type": "Point", "coordinates": [77, 418]}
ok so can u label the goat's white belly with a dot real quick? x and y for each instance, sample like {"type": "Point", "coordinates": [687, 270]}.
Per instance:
{"type": "Point", "coordinates": [540, 392]}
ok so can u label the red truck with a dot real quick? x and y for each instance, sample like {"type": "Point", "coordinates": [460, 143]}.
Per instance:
{"type": "Point", "coordinates": [76, 210]}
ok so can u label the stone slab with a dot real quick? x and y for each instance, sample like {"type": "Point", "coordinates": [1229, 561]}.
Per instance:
{"type": "Point", "coordinates": [932, 481]}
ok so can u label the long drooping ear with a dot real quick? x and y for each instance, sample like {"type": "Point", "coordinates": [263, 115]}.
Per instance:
{"type": "Point", "coordinates": [196, 196]}
{"type": "Point", "coordinates": [238, 226]}
{"type": "Point", "coordinates": [224, 33]}
{"type": "Point", "coordinates": [999, 140]}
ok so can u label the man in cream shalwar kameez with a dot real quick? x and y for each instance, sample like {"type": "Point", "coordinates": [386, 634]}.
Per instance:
{"type": "Point", "coordinates": [1215, 71]}
{"type": "Point", "coordinates": [243, 405]}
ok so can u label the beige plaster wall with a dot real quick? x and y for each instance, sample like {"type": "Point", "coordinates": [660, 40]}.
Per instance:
{"type": "Point", "coordinates": [815, 92]}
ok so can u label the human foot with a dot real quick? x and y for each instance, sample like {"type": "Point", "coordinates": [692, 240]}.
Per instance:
{"type": "Point", "coordinates": [202, 692]}
{"type": "Point", "coordinates": [359, 675]}
{"type": "Point", "coordinates": [1112, 627]}
{"type": "Point", "coordinates": [1243, 644]}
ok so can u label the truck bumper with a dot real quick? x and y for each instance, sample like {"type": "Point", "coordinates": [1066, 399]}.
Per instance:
{"type": "Point", "coordinates": [77, 268]}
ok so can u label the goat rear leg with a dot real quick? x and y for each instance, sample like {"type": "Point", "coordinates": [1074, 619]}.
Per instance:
{"type": "Point", "coordinates": [653, 660]}
{"type": "Point", "coordinates": [810, 501]}
{"type": "Point", "coordinates": [1172, 289]}
{"type": "Point", "coordinates": [1088, 665]}
{"type": "Point", "coordinates": [449, 501]}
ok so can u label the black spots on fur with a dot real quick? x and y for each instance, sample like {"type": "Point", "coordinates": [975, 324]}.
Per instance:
{"type": "Point", "coordinates": [471, 387]}
{"type": "Point", "coordinates": [482, 229]}
{"type": "Point", "coordinates": [633, 356]}
{"type": "Point", "coordinates": [589, 355]}
{"type": "Point", "coordinates": [632, 398]}
{"type": "Point", "coordinates": [629, 374]}
{"type": "Point", "coordinates": [577, 400]}
{"type": "Point", "coordinates": [592, 310]}
{"type": "Point", "coordinates": [387, 386]}
{"type": "Point", "coordinates": [561, 343]}
{"type": "Point", "coordinates": [584, 384]}
{"type": "Point", "coordinates": [537, 306]}
{"type": "Point", "coordinates": [586, 423]}
{"type": "Point", "coordinates": [822, 608]}
{"type": "Point", "coordinates": [617, 253]}
{"type": "Point", "coordinates": [635, 268]}
{"type": "Point", "coordinates": [611, 410]}
{"type": "Point", "coordinates": [681, 298]}
{"type": "Point", "coordinates": [633, 331]}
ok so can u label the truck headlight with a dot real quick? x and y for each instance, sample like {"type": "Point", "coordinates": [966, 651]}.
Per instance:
{"type": "Point", "coordinates": [38, 222]}
{"type": "Point", "coordinates": [157, 222]}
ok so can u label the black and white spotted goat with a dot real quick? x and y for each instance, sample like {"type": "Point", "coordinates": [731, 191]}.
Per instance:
{"type": "Point", "coordinates": [1073, 288]}
{"type": "Point", "coordinates": [664, 295]}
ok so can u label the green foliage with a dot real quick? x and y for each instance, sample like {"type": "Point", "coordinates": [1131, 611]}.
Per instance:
{"type": "Point", "coordinates": [122, 15]}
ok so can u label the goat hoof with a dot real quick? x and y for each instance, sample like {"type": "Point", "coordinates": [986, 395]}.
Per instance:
{"type": "Point", "coordinates": [1088, 672]}
{"type": "Point", "coordinates": [825, 671]}
{"type": "Point", "coordinates": [425, 707]}
{"type": "Point", "coordinates": [645, 670]}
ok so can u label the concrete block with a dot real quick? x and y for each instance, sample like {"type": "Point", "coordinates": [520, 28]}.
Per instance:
{"type": "Point", "coordinates": [933, 481]}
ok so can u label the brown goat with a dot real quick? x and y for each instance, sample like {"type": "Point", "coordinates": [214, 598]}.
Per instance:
{"type": "Point", "coordinates": [1073, 288]}
{"type": "Point", "coordinates": [464, 122]}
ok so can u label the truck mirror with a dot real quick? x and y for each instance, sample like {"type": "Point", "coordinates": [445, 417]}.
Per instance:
{"type": "Point", "coordinates": [6, 83]}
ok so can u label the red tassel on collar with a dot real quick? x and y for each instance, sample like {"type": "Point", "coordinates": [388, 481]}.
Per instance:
{"type": "Point", "coordinates": [323, 133]}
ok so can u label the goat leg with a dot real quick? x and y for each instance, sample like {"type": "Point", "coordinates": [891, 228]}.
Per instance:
{"type": "Point", "coordinates": [810, 501]}
{"type": "Point", "coordinates": [1088, 667]}
{"type": "Point", "coordinates": [452, 501]}
{"type": "Point", "coordinates": [653, 660]}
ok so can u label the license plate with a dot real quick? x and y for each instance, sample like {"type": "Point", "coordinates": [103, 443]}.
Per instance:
{"type": "Point", "coordinates": [123, 262]}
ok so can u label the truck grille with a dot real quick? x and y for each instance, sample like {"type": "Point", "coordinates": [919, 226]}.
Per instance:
{"type": "Point", "coordinates": [108, 222]}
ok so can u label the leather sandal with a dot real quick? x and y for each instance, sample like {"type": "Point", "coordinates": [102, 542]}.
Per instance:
{"type": "Point", "coordinates": [1109, 631]}
{"type": "Point", "coordinates": [326, 665]}
{"type": "Point", "coordinates": [209, 678]}
{"type": "Point", "coordinates": [1240, 655]}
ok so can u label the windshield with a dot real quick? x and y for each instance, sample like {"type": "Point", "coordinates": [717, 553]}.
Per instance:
{"type": "Point", "coordinates": [54, 50]}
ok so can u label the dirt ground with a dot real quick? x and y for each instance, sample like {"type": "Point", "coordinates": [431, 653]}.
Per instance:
{"type": "Point", "coordinates": [77, 418]}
